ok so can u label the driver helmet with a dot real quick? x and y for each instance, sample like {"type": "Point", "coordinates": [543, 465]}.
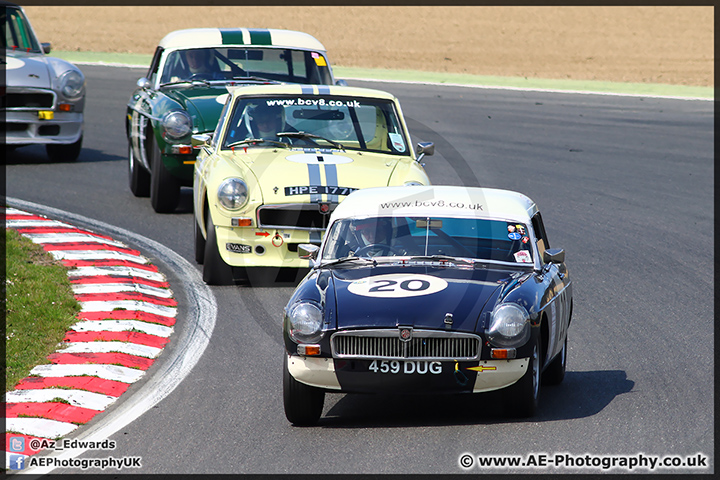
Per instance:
{"type": "Point", "coordinates": [369, 231]}
{"type": "Point", "coordinates": [199, 60]}
{"type": "Point", "coordinates": [267, 120]}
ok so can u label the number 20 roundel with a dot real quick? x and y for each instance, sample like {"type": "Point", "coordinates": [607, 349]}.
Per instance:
{"type": "Point", "coordinates": [397, 285]}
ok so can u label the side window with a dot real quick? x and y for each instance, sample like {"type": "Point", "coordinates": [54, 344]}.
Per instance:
{"type": "Point", "coordinates": [542, 241]}
{"type": "Point", "coordinates": [216, 136]}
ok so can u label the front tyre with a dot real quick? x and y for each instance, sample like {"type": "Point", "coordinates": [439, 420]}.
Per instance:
{"type": "Point", "coordinates": [64, 153]}
{"type": "Point", "coordinates": [303, 403]}
{"type": "Point", "coordinates": [555, 372]}
{"type": "Point", "coordinates": [522, 398]}
{"type": "Point", "coordinates": [215, 270]}
{"type": "Point", "coordinates": [138, 177]}
{"type": "Point", "coordinates": [164, 187]}
{"type": "Point", "coordinates": [200, 244]}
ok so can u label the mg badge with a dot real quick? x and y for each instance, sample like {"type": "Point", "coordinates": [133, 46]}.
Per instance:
{"type": "Point", "coordinates": [405, 334]}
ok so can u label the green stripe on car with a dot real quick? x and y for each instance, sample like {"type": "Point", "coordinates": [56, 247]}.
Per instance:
{"type": "Point", "coordinates": [260, 37]}
{"type": "Point", "coordinates": [232, 37]}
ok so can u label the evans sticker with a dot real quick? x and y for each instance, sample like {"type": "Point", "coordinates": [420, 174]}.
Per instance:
{"type": "Point", "coordinates": [523, 256]}
{"type": "Point", "coordinates": [397, 285]}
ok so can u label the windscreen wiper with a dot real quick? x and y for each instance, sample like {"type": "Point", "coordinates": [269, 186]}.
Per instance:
{"type": "Point", "coordinates": [249, 141]}
{"type": "Point", "coordinates": [252, 78]}
{"type": "Point", "coordinates": [191, 82]}
{"type": "Point", "coordinates": [335, 144]}
{"type": "Point", "coordinates": [344, 260]}
{"type": "Point", "coordinates": [448, 258]}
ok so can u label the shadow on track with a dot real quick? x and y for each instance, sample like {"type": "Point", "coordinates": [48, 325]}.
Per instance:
{"type": "Point", "coordinates": [582, 394]}
{"type": "Point", "coordinates": [36, 155]}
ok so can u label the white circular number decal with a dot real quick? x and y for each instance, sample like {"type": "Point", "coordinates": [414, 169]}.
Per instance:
{"type": "Point", "coordinates": [397, 285]}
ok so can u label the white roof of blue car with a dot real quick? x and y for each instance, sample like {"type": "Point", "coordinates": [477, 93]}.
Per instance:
{"type": "Point", "coordinates": [437, 201]}
{"type": "Point", "coordinates": [259, 37]}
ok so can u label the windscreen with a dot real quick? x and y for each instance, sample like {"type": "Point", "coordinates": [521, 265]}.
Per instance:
{"type": "Point", "coordinates": [320, 121]}
{"type": "Point", "coordinates": [472, 238]}
{"type": "Point", "coordinates": [237, 63]}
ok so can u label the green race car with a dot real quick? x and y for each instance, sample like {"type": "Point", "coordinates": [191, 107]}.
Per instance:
{"type": "Point", "coordinates": [191, 75]}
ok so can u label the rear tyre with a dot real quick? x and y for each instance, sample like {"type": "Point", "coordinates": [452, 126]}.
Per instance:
{"type": "Point", "coordinates": [522, 398]}
{"type": "Point", "coordinates": [555, 372]}
{"type": "Point", "coordinates": [303, 403]}
{"type": "Point", "coordinates": [164, 187]}
{"type": "Point", "coordinates": [215, 270]}
{"type": "Point", "coordinates": [64, 153]}
{"type": "Point", "coordinates": [139, 178]}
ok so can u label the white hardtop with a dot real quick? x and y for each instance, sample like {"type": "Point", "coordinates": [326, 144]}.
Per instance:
{"type": "Point", "coordinates": [213, 37]}
{"type": "Point", "coordinates": [437, 201]}
{"type": "Point", "coordinates": [296, 89]}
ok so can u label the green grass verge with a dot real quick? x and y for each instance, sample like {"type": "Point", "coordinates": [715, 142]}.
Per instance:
{"type": "Point", "coordinates": [40, 306]}
{"type": "Point", "coordinates": [647, 89]}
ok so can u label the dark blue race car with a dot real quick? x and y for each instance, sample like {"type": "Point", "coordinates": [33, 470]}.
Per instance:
{"type": "Point", "coordinates": [428, 290]}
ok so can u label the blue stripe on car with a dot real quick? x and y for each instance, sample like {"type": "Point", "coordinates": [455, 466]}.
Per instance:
{"type": "Point", "coordinates": [314, 174]}
{"type": "Point", "coordinates": [331, 179]}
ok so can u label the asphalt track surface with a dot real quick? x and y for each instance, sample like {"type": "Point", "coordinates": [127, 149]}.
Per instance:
{"type": "Point", "coordinates": [625, 185]}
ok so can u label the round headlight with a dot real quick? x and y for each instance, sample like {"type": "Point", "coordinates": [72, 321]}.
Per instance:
{"type": "Point", "coordinates": [304, 322]}
{"type": "Point", "coordinates": [412, 183]}
{"type": "Point", "coordinates": [509, 326]}
{"type": "Point", "coordinates": [72, 84]}
{"type": "Point", "coordinates": [233, 194]}
{"type": "Point", "coordinates": [177, 124]}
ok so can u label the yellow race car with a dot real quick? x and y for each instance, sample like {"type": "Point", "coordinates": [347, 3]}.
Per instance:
{"type": "Point", "coordinates": [280, 160]}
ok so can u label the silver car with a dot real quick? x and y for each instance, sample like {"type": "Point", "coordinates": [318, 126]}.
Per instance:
{"type": "Point", "coordinates": [44, 96]}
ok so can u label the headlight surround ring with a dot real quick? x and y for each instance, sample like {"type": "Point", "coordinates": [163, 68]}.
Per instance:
{"type": "Point", "coordinates": [509, 326]}
{"type": "Point", "coordinates": [177, 124]}
{"type": "Point", "coordinates": [72, 85]}
{"type": "Point", "coordinates": [232, 194]}
{"type": "Point", "coordinates": [304, 321]}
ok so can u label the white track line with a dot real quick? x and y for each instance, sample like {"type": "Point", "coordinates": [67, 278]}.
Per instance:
{"type": "Point", "coordinates": [39, 427]}
{"type": "Point", "coordinates": [122, 326]}
{"type": "Point", "coordinates": [108, 372]}
{"type": "Point", "coordinates": [78, 398]}
{"type": "Point", "coordinates": [111, 347]}
{"type": "Point", "coordinates": [132, 305]}
{"type": "Point", "coordinates": [35, 223]}
{"type": "Point", "coordinates": [71, 237]}
{"type": "Point", "coordinates": [120, 271]}
{"type": "Point", "coordinates": [80, 289]}
{"type": "Point", "coordinates": [97, 255]}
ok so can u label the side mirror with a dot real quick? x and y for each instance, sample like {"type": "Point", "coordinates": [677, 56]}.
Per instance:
{"type": "Point", "coordinates": [144, 83]}
{"type": "Point", "coordinates": [423, 149]}
{"type": "Point", "coordinates": [341, 81]}
{"type": "Point", "coordinates": [201, 139]}
{"type": "Point", "coordinates": [308, 251]}
{"type": "Point", "coordinates": [46, 47]}
{"type": "Point", "coordinates": [554, 255]}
